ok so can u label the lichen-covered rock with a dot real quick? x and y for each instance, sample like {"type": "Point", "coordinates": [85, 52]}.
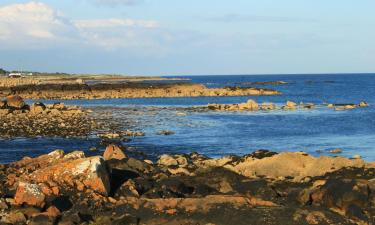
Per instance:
{"type": "Point", "coordinates": [29, 194]}
{"type": "Point", "coordinates": [91, 172]}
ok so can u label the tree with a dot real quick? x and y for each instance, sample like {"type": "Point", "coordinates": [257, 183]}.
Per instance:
{"type": "Point", "coordinates": [2, 71]}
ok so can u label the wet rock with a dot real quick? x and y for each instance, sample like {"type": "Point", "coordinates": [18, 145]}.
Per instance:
{"type": "Point", "coordinates": [114, 152]}
{"type": "Point", "coordinates": [363, 104]}
{"type": "Point", "coordinates": [268, 106]}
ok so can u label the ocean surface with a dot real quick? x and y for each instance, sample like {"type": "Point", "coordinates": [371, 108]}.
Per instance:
{"type": "Point", "coordinates": [221, 133]}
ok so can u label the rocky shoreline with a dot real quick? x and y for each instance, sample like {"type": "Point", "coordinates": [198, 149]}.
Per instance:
{"type": "Point", "coordinates": [39, 120]}
{"type": "Point", "coordinates": [126, 90]}
{"type": "Point", "coordinates": [260, 188]}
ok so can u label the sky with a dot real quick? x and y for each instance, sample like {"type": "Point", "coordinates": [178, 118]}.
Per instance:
{"type": "Point", "coordinates": [188, 37]}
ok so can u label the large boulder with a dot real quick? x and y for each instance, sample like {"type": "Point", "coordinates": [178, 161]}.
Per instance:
{"type": "Point", "coordinates": [350, 197]}
{"type": "Point", "coordinates": [29, 194]}
{"type": "Point", "coordinates": [86, 173]}
{"type": "Point", "coordinates": [297, 165]}
{"type": "Point", "coordinates": [15, 101]}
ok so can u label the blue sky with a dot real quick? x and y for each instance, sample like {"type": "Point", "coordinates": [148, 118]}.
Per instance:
{"type": "Point", "coordinates": [168, 37]}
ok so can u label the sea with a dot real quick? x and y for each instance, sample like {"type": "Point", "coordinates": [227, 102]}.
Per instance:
{"type": "Point", "coordinates": [217, 134]}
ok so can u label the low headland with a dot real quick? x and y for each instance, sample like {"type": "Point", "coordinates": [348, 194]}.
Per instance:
{"type": "Point", "coordinates": [104, 87]}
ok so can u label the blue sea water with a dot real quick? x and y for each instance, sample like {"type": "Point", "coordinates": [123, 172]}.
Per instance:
{"type": "Point", "coordinates": [221, 133]}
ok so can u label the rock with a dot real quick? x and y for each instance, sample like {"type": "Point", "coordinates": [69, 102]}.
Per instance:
{"type": "Point", "coordinates": [42, 219]}
{"type": "Point", "coordinates": [93, 149]}
{"type": "Point", "coordinates": [363, 104]}
{"type": "Point", "coordinates": [296, 165]}
{"type": "Point", "coordinates": [15, 101]}
{"type": "Point", "coordinates": [14, 217]}
{"type": "Point", "coordinates": [336, 151]}
{"type": "Point", "coordinates": [128, 188]}
{"type": "Point", "coordinates": [75, 155]}
{"type": "Point", "coordinates": [37, 108]}
{"type": "Point", "coordinates": [268, 106]}
{"type": "Point", "coordinates": [58, 105]}
{"type": "Point", "coordinates": [357, 157]}
{"type": "Point", "coordinates": [177, 160]}
{"type": "Point", "coordinates": [349, 196]}
{"type": "Point", "coordinates": [307, 105]}
{"type": "Point", "coordinates": [91, 172]}
{"type": "Point", "coordinates": [3, 204]}
{"type": "Point", "coordinates": [29, 194]}
{"type": "Point", "coordinates": [290, 105]}
{"type": "Point", "coordinates": [3, 104]}
{"type": "Point", "coordinates": [4, 112]}
{"type": "Point", "coordinates": [165, 132]}
{"type": "Point", "coordinates": [114, 152]}
{"type": "Point", "coordinates": [252, 105]}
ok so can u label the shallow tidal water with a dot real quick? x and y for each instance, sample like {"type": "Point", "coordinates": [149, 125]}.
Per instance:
{"type": "Point", "coordinates": [221, 133]}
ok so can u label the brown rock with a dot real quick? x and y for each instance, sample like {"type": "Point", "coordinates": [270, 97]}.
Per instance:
{"type": "Point", "coordinates": [14, 217]}
{"type": "Point", "coordinates": [91, 172]}
{"type": "Point", "coordinates": [2, 103]}
{"type": "Point", "coordinates": [15, 101]}
{"type": "Point", "coordinates": [363, 104]}
{"type": "Point", "coordinates": [297, 165]}
{"type": "Point", "coordinates": [37, 108]}
{"type": "Point", "coordinates": [29, 194]}
{"type": "Point", "coordinates": [114, 152]}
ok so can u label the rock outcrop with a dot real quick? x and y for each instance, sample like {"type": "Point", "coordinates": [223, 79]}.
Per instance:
{"type": "Point", "coordinates": [251, 105]}
{"type": "Point", "coordinates": [285, 188]}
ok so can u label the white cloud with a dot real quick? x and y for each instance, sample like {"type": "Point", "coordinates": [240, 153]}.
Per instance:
{"type": "Point", "coordinates": [30, 23]}
{"type": "Point", "coordinates": [37, 25]}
